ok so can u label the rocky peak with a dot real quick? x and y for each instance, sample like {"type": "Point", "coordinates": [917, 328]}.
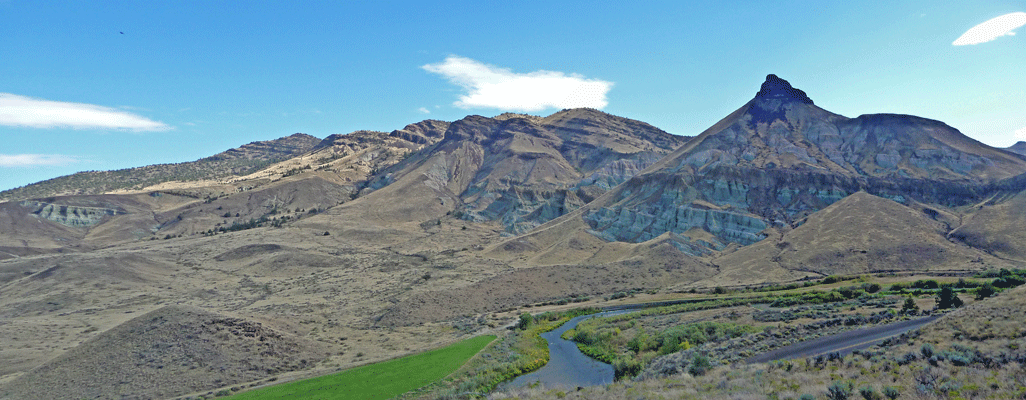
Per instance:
{"type": "Point", "coordinates": [776, 88]}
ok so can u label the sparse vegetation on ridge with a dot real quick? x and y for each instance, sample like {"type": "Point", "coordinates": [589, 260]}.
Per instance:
{"type": "Point", "coordinates": [240, 161]}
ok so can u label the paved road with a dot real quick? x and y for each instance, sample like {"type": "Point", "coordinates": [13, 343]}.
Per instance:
{"type": "Point", "coordinates": [841, 343]}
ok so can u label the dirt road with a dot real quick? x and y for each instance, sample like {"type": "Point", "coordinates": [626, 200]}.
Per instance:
{"type": "Point", "coordinates": [842, 343]}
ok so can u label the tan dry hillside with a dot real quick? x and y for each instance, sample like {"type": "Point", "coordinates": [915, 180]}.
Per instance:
{"type": "Point", "coordinates": [167, 352]}
{"type": "Point", "coordinates": [998, 227]}
{"type": "Point", "coordinates": [859, 234]}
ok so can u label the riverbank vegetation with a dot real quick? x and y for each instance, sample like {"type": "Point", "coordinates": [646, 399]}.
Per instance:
{"type": "Point", "coordinates": [631, 341]}
{"type": "Point", "coordinates": [974, 352]}
{"type": "Point", "coordinates": [519, 351]}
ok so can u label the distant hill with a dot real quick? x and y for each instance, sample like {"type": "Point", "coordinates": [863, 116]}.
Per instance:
{"type": "Point", "coordinates": [1018, 148]}
{"type": "Point", "coordinates": [238, 161]}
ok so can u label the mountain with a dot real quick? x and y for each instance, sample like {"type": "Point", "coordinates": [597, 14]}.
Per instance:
{"type": "Point", "coordinates": [518, 170]}
{"type": "Point", "coordinates": [780, 158]}
{"type": "Point", "coordinates": [238, 161]}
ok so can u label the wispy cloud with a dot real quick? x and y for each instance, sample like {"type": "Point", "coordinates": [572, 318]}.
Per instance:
{"type": "Point", "coordinates": [30, 112]}
{"type": "Point", "coordinates": [424, 110]}
{"type": "Point", "coordinates": [35, 160]}
{"type": "Point", "coordinates": [992, 29]}
{"type": "Point", "coordinates": [1021, 134]}
{"type": "Point", "coordinates": [489, 86]}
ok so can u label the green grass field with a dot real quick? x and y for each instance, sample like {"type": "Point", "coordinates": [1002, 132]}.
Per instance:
{"type": "Point", "coordinates": [383, 380]}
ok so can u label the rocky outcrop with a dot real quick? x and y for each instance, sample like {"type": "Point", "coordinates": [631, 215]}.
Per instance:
{"type": "Point", "coordinates": [68, 215]}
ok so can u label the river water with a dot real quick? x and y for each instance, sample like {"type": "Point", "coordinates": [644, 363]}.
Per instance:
{"type": "Point", "coordinates": [567, 368]}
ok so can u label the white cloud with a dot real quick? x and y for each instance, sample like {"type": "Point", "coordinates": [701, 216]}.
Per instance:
{"type": "Point", "coordinates": [33, 160]}
{"type": "Point", "coordinates": [992, 29]}
{"type": "Point", "coordinates": [424, 110]}
{"type": "Point", "coordinates": [1021, 134]}
{"type": "Point", "coordinates": [30, 112]}
{"type": "Point", "coordinates": [489, 86]}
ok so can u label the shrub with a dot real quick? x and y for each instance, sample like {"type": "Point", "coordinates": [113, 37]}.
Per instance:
{"type": "Point", "coordinates": [839, 391]}
{"type": "Point", "coordinates": [891, 392]}
{"type": "Point", "coordinates": [908, 358]}
{"type": "Point", "coordinates": [1008, 280]}
{"type": "Point", "coordinates": [926, 284]}
{"type": "Point", "coordinates": [832, 279]}
{"type": "Point", "coordinates": [525, 321]}
{"type": "Point", "coordinates": [807, 397]}
{"type": "Point", "coordinates": [869, 393]}
{"type": "Point", "coordinates": [985, 291]}
{"type": "Point", "coordinates": [626, 367]}
{"type": "Point", "coordinates": [926, 350]}
{"type": "Point", "coordinates": [699, 365]}
{"type": "Point", "coordinates": [639, 342]}
{"type": "Point", "coordinates": [851, 292]}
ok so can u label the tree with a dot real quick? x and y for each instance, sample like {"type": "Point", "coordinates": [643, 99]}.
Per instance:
{"type": "Point", "coordinates": [947, 298]}
{"type": "Point", "coordinates": [910, 306]}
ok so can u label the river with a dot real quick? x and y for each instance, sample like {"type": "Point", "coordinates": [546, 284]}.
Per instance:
{"type": "Point", "coordinates": [567, 368]}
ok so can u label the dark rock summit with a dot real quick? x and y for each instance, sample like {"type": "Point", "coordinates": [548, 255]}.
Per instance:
{"type": "Point", "coordinates": [776, 88]}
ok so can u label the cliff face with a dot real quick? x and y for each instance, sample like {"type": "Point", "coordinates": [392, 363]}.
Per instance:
{"type": "Point", "coordinates": [779, 158]}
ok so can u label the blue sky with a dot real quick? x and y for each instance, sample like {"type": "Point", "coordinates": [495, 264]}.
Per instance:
{"type": "Point", "coordinates": [189, 79]}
